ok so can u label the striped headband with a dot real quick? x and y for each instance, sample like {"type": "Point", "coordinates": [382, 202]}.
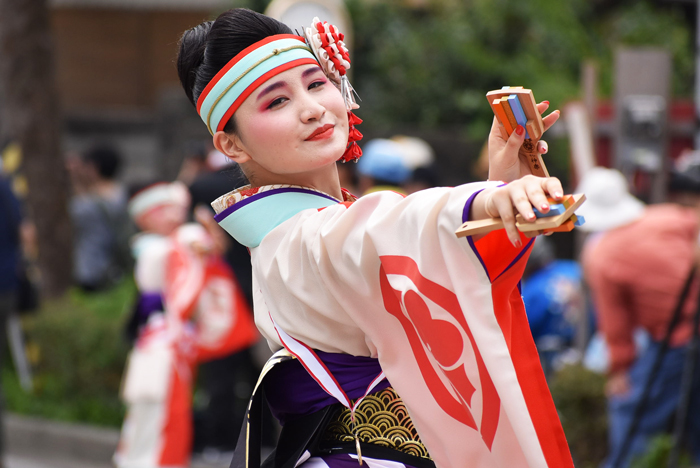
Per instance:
{"type": "Point", "coordinates": [246, 72]}
{"type": "Point", "coordinates": [158, 194]}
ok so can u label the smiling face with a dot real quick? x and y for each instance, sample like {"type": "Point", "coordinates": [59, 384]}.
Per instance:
{"type": "Point", "coordinates": [290, 130]}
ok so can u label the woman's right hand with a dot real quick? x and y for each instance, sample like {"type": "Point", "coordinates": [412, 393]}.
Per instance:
{"type": "Point", "coordinates": [504, 162]}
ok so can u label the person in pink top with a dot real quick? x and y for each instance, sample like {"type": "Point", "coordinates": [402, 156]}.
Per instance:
{"type": "Point", "coordinates": [636, 264]}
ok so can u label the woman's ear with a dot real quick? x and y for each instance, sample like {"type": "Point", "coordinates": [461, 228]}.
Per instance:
{"type": "Point", "coordinates": [231, 146]}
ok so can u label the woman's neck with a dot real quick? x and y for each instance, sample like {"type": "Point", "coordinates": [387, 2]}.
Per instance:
{"type": "Point", "coordinates": [325, 180]}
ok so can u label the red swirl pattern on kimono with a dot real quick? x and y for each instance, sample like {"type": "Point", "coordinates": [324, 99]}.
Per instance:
{"type": "Point", "coordinates": [443, 341]}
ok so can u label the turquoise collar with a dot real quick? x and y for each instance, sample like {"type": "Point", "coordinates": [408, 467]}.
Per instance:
{"type": "Point", "coordinates": [251, 219]}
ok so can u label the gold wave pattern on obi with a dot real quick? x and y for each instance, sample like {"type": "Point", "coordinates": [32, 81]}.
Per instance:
{"type": "Point", "coordinates": [380, 419]}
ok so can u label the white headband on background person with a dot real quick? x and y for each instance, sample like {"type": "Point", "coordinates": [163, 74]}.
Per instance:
{"type": "Point", "coordinates": [155, 195]}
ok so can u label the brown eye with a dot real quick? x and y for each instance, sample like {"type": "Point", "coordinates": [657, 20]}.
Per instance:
{"type": "Point", "coordinates": [276, 102]}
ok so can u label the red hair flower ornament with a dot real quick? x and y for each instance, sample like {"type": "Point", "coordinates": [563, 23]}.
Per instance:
{"type": "Point", "coordinates": [326, 43]}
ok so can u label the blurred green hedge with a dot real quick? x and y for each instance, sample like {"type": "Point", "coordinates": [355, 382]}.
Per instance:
{"type": "Point", "coordinates": [580, 400]}
{"type": "Point", "coordinates": [77, 350]}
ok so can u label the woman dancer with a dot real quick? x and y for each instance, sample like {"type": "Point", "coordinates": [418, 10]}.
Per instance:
{"type": "Point", "coordinates": [368, 299]}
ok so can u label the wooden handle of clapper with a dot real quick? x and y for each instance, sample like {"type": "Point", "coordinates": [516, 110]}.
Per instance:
{"type": "Point", "coordinates": [528, 152]}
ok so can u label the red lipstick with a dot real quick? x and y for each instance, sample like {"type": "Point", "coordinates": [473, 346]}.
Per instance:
{"type": "Point", "coordinates": [321, 133]}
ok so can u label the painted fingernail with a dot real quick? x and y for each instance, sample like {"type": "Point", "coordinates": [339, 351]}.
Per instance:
{"type": "Point", "coordinates": [544, 206]}
{"type": "Point", "coordinates": [517, 244]}
{"type": "Point", "coordinates": [558, 194]}
{"type": "Point", "coordinates": [545, 147]}
{"type": "Point", "coordinates": [546, 102]}
{"type": "Point", "coordinates": [519, 130]}
{"type": "Point", "coordinates": [531, 216]}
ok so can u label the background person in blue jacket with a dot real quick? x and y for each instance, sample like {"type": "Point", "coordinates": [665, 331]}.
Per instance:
{"type": "Point", "coordinates": [554, 301]}
{"type": "Point", "coordinates": [10, 252]}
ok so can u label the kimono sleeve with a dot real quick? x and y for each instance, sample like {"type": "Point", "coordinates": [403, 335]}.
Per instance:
{"type": "Point", "coordinates": [443, 315]}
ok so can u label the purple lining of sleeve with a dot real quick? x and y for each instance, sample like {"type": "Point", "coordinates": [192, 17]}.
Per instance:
{"type": "Point", "coordinates": [470, 239]}
{"type": "Point", "coordinates": [518, 257]}
{"type": "Point", "coordinates": [468, 205]}
{"type": "Point", "coordinates": [465, 218]}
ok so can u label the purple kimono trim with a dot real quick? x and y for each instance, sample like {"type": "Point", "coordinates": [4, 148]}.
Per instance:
{"type": "Point", "coordinates": [518, 257]}
{"type": "Point", "coordinates": [291, 392]}
{"type": "Point", "coordinates": [470, 239]}
{"type": "Point", "coordinates": [465, 218]}
{"type": "Point", "coordinates": [342, 460]}
{"type": "Point", "coordinates": [148, 304]}
{"type": "Point", "coordinates": [468, 205]}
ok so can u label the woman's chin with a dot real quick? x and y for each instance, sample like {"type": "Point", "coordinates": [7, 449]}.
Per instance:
{"type": "Point", "coordinates": [332, 150]}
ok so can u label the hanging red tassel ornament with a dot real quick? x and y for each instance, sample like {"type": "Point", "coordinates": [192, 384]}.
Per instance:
{"type": "Point", "coordinates": [354, 135]}
{"type": "Point", "coordinates": [353, 119]}
{"type": "Point", "coordinates": [326, 43]}
{"type": "Point", "coordinates": [353, 151]}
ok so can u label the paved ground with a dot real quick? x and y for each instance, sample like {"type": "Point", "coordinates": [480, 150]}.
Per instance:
{"type": "Point", "coordinates": [12, 461]}
{"type": "Point", "coordinates": [38, 443]}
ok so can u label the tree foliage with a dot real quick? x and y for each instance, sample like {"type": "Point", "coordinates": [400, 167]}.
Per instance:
{"type": "Point", "coordinates": [432, 65]}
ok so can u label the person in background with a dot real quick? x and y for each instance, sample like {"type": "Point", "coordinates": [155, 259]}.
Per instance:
{"type": "Point", "coordinates": [554, 301]}
{"type": "Point", "coordinates": [226, 382]}
{"type": "Point", "coordinates": [217, 174]}
{"type": "Point", "coordinates": [423, 177]}
{"type": "Point", "coordinates": [194, 162]}
{"type": "Point", "coordinates": [382, 167]}
{"type": "Point", "coordinates": [190, 310]}
{"type": "Point", "coordinates": [101, 225]}
{"type": "Point", "coordinates": [419, 157]}
{"type": "Point", "coordinates": [636, 262]}
{"type": "Point", "coordinates": [10, 254]}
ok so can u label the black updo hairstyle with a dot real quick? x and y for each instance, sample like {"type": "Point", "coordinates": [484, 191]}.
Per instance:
{"type": "Point", "coordinates": [207, 48]}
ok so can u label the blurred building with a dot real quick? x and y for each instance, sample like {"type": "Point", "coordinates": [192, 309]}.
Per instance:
{"type": "Point", "coordinates": [681, 125]}
{"type": "Point", "coordinates": [117, 81]}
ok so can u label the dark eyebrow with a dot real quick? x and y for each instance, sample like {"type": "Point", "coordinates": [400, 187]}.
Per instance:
{"type": "Point", "coordinates": [282, 84]}
{"type": "Point", "coordinates": [272, 87]}
{"type": "Point", "coordinates": [310, 71]}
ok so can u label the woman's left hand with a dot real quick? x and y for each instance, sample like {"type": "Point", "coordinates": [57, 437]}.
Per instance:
{"type": "Point", "coordinates": [516, 197]}
{"type": "Point", "coordinates": [504, 163]}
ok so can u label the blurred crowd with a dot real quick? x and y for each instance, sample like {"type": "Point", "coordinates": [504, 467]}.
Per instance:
{"type": "Point", "coordinates": [625, 306]}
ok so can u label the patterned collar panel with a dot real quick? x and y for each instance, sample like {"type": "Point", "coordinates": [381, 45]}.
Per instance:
{"type": "Point", "coordinates": [249, 214]}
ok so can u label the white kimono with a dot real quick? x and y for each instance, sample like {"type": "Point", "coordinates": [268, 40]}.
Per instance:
{"type": "Point", "coordinates": [386, 277]}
